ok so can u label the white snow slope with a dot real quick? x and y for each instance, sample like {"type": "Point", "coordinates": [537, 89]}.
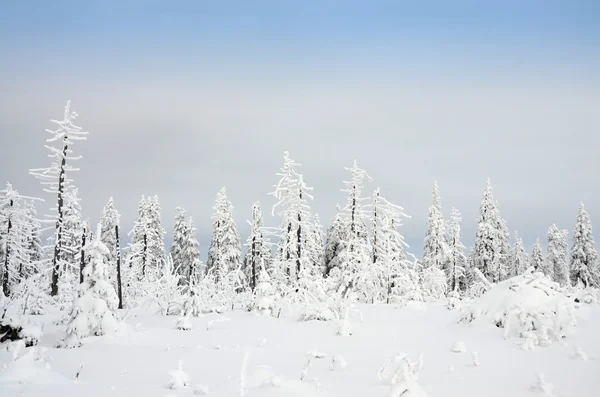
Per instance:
{"type": "Point", "coordinates": [137, 362]}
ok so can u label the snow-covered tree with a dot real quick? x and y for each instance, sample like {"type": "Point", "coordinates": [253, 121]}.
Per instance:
{"type": "Point", "coordinates": [109, 220]}
{"type": "Point", "coordinates": [15, 238]}
{"type": "Point", "coordinates": [185, 248]}
{"type": "Point", "coordinates": [146, 257]}
{"type": "Point", "coordinates": [389, 262]}
{"type": "Point", "coordinates": [56, 181]}
{"type": "Point", "coordinates": [93, 312]}
{"type": "Point", "coordinates": [435, 249]}
{"type": "Point", "coordinates": [292, 195]}
{"type": "Point", "coordinates": [557, 256]}
{"type": "Point", "coordinates": [537, 257]}
{"type": "Point", "coordinates": [225, 251]}
{"type": "Point", "coordinates": [490, 248]}
{"type": "Point", "coordinates": [336, 235]}
{"type": "Point", "coordinates": [72, 230]}
{"type": "Point", "coordinates": [314, 245]}
{"type": "Point", "coordinates": [356, 274]}
{"type": "Point", "coordinates": [583, 254]}
{"type": "Point", "coordinates": [456, 272]}
{"type": "Point", "coordinates": [519, 260]}
{"type": "Point", "coordinates": [258, 248]}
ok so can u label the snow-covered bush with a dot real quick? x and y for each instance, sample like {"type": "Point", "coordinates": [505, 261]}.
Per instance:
{"type": "Point", "coordinates": [402, 374]}
{"type": "Point", "coordinates": [541, 385]}
{"type": "Point", "coordinates": [459, 347]}
{"type": "Point", "coordinates": [433, 283]}
{"type": "Point", "coordinates": [528, 306]}
{"type": "Point", "coordinates": [183, 323]}
{"type": "Point", "coordinates": [178, 378]}
{"type": "Point", "coordinates": [11, 329]}
{"type": "Point", "coordinates": [264, 298]}
{"type": "Point", "coordinates": [93, 311]}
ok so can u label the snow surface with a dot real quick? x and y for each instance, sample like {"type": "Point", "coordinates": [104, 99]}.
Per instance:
{"type": "Point", "coordinates": [134, 362]}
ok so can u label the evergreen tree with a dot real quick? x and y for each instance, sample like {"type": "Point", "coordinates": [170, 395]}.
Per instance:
{"type": "Point", "coordinates": [55, 180]}
{"type": "Point", "coordinates": [292, 195]}
{"type": "Point", "coordinates": [93, 312]}
{"type": "Point", "coordinates": [258, 248]}
{"type": "Point", "coordinates": [456, 271]}
{"type": "Point", "coordinates": [490, 248]}
{"type": "Point", "coordinates": [225, 252]}
{"type": "Point", "coordinates": [558, 262]}
{"type": "Point", "coordinates": [519, 260]}
{"type": "Point", "coordinates": [583, 253]}
{"type": "Point", "coordinates": [336, 235]}
{"type": "Point", "coordinates": [72, 230]}
{"type": "Point", "coordinates": [356, 274]}
{"type": "Point", "coordinates": [15, 238]}
{"type": "Point", "coordinates": [185, 249]}
{"type": "Point", "coordinates": [156, 237]}
{"type": "Point", "coordinates": [435, 249]}
{"type": "Point", "coordinates": [537, 257]}
{"type": "Point", "coordinates": [109, 235]}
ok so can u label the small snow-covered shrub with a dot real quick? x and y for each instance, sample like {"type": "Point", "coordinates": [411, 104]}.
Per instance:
{"type": "Point", "coordinates": [343, 327]}
{"type": "Point", "coordinates": [11, 329]}
{"type": "Point", "coordinates": [402, 374]}
{"type": "Point", "coordinates": [179, 379]}
{"type": "Point", "coordinates": [337, 363]}
{"type": "Point", "coordinates": [459, 347]}
{"type": "Point", "coordinates": [580, 354]}
{"type": "Point", "coordinates": [542, 386]}
{"type": "Point", "coordinates": [528, 306]}
{"type": "Point", "coordinates": [433, 283]}
{"type": "Point", "coordinates": [183, 323]}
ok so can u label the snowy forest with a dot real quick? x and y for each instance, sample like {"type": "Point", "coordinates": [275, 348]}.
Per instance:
{"type": "Point", "coordinates": [60, 263]}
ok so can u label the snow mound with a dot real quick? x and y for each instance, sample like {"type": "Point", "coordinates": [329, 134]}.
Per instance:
{"type": "Point", "coordinates": [529, 306]}
{"type": "Point", "coordinates": [32, 368]}
{"type": "Point", "coordinates": [179, 379]}
{"type": "Point", "coordinates": [265, 383]}
{"type": "Point", "coordinates": [459, 347]}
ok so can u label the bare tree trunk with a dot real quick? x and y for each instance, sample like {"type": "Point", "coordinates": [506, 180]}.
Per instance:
{"type": "Point", "coordinates": [59, 223]}
{"type": "Point", "coordinates": [119, 285]}
{"type": "Point", "coordinates": [144, 254]}
{"type": "Point", "coordinates": [253, 264]}
{"type": "Point", "coordinates": [82, 259]}
{"type": "Point", "coordinates": [6, 275]}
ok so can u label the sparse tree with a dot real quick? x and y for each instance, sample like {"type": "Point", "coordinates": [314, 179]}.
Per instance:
{"type": "Point", "coordinates": [435, 249]}
{"type": "Point", "coordinates": [519, 260]}
{"type": "Point", "coordinates": [456, 272]}
{"type": "Point", "coordinates": [336, 235]}
{"type": "Point", "coordinates": [557, 256]}
{"type": "Point", "coordinates": [56, 181]}
{"type": "Point", "coordinates": [537, 257]}
{"type": "Point", "coordinates": [258, 248]}
{"type": "Point", "coordinates": [110, 220]}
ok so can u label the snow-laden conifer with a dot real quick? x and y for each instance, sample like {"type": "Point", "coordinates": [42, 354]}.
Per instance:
{"type": "Point", "coordinates": [537, 257]}
{"type": "Point", "coordinates": [110, 236]}
{"type": "Point", "coordinates": [185, 248]}
{"type": "Point", "coordinates": [15, 239]}
{"type": "Point", "coordinates": [456, 269]}
{"type": "Point", "coordinates": [557, 256]}
{"type": "Point", "coordinates": [56, 180]}
{"type": "Point", "coordinates": [93, 312]}
{"type": "Point", "coordinates": [519, 260]}
{"type": "Point", "coordinates": [435, 249]}
{"type": "Point", "coordinates": [258, 248]}
{"type": "Point", "coordinates": [337, 233]}
{"type": "Point", "coordinates": [583, 253]}
{"type": "Point", "coordinates": [292, 195]}
{"type": "Point", "coordinates": [490, 247]}
{"type": "Point", "coordinates": [225, 251]}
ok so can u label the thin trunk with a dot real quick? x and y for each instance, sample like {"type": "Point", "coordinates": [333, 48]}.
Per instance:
{"type": "Point", "coordinates": [144, 253]}
{"type": "Point", "coordinates": [59, 223]}
{"type": "Point", "coordinates": [82, 259]}
{"type": "Point", "coordinates": [6, 275]}
{"type": "Point", "coordinates": [253, 263]}
{"type": "Point", "coordinates": [118, 252]}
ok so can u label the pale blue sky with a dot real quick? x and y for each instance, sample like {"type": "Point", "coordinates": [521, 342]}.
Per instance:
{"type": "Point", "coordinates": [184, 97]}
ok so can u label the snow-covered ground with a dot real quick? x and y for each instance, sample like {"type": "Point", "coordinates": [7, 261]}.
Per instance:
{"type": "Point", "coordinates": [143, 360]}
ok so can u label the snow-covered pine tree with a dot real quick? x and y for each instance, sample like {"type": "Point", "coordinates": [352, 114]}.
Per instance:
{"type": "Point", "coordinates": [557, 256]}
{"type": "Point", "coordinates": [110, 220]}
{"type": "Point", "coordinates": [137, 251]}
{"type": "Point", "coordinates": [225, 251]}
{"type": "Point", "coordinates": [15, 239]}
{"type": "Point", "coordinates": [519, 260]}
{"type": "Point", "coordinates": [72, 230]}
{"type": "Point", "coordinates": [336, 235]}
{"type": "Point", "coordinates": [156, 238]}
{"type": "Point", "coordinates": [292, 195]}
{"type": "Point", "coordinates": [258, 248]}
{"type": "Point", "coordinates": [435, 249]}
{"type": "Point", "coordinates": [315, 246]}
{"type": "Point", "coordinates": [490, 239]}
{"type": "Point", "coordinates": [55, 180]}
{"type": "Point", "coordinates": [583, 254]}
{"type": "Point", "coordinates": [356, 259]}
{"type": "Point", "coordinates": [185, 249]}
{"type": "Point", "coordinates": [389, 269]}
{"type": "Point", "coordinates": [93, 312]}
{"type": "Point", "coordinates": [34, 236]}
{"type": "Point", "coordinates": [537, 257]}
{"type": "Point", "coordinates": [456, 270]}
